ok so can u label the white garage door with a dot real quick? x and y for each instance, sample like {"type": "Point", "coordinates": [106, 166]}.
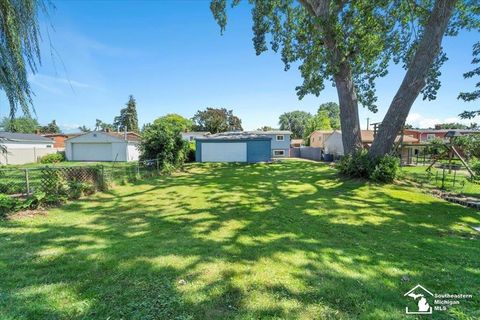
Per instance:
{"type": "Point", "coordinates": [224, 152]}
{"type": "Point", "coordinates": [92, 151]}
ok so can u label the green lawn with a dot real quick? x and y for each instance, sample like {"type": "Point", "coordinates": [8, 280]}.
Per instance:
{"type": "Point", "coordinates": [284, 240]}
{"type": "Point", "coordinates": [454, 181]}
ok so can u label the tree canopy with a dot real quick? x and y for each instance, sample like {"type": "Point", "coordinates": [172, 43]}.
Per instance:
{"type": "Point", "coordinates": [19, 50]}
{"type": "Point", "coordinates": [162, 140]}
{"type": "Point", "coordinates": [23, 124]}
{"type": "Point", "coordinates": [178, 121]}
{"type": "Point", "coordinates": [351, 43]}
{"type": "Point", "coordinates": [215, 120]}
{"type": "Point", "coordinates": [128, 118]}
{"type": "Point", "coordinates": [296, 122]}
{"type": "Point", "coordinates": [475, 94]}
{"type": "Point", "coordinates": [51, 127]}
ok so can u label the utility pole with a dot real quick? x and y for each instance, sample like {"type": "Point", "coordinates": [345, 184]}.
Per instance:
{"type": "Point", "coordinates": [368, 123]}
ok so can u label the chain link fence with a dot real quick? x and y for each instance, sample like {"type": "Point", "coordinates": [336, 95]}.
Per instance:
{"type": "Point", "coordinates": [51, 179]}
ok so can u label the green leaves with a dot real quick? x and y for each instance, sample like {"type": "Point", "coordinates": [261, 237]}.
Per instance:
{"type": "Point", "coordinates": [19, 50]}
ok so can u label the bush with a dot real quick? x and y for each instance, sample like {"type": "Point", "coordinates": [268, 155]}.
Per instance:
{"type": "Point", "coordinates": [53, 158]}
{"type": "Point", "coordinates": [386, 169]}
{"type": "Point", "coordinates": [162, 140]}
{"type": "Point", "coordinates": [476, 168]}
{"type": "Point", "coordinates": [7, 205]}
{"type": "Point", "coordinates": [78, 189]}
{"type": "Point", "coordinates": [191, 152]}
{"type": "Point", "coordinates": [360, 165]}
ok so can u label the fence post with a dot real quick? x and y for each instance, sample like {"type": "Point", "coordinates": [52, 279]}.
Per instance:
{"type": "Point", "coordinates": [27, 182]}
{"type": "Point", "coordinates": [454, 177]}
{"type": "Point", "coordinates": [443, 178]}
{"type": "Point", "coordinates": [102, 172]}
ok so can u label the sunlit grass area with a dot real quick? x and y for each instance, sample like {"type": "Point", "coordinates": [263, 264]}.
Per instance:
{"type": "Point", "coordinates": [450, 180]}
{"type": "Point", "coordinates": [227, 241]}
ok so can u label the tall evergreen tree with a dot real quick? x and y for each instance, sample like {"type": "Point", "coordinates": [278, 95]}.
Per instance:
{"type": "Point", "coordinates": [128, 117]}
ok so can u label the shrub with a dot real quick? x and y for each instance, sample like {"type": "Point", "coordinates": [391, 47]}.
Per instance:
{"type": "Point", "coordinates": [360, 165]}
{"type": "Point", "coordinates": [53, 158]}
{"type": "Point", "coordinates": [162, 140]}
{"type": "Point", "coordinates": [386, 169]}
{"type": "Point", "coordinates": [77, 189]}
{"type": "Point", "coordinates": [476, 168]}
{"type": "Point", "coordinates": [7, 205]}
{"type": "Point", "coordinates": [191, 152]}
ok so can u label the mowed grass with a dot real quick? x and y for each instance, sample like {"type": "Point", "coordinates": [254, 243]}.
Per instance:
{"type": "Point", "coordinates": [453, 181]}
{"type": "Point", "coordinates": [226, 241]}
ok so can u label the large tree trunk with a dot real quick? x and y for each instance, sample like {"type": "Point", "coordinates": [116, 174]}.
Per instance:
{"type": "Point", "coordinates": [415, 78]}
{"type": "Point", "coordinates": [349, 120]}
{"type": "Point", "coordinates": [347, 96]}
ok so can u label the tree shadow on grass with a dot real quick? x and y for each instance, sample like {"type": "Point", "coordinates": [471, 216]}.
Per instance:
{"type": "Point", "coordinates": [286, 240]}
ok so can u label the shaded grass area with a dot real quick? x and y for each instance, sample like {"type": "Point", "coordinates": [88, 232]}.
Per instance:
{"type": "Point", "coordinates": [454, 181]}
{"type": "Point", "coordinates": [227, 241]}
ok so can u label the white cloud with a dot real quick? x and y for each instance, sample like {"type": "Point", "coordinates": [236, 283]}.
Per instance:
{"type": "Point", "coordinates": [56, 85]}
{"type": "Point", "coordinates": [420, 121]}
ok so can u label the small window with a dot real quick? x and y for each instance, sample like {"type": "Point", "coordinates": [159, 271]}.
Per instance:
{"type": "Point", "coordinates": [49, 145]}
{"type": "Point", "coordinates": [430, 136]}
{"type": "Point", "coordinates": [280, 137]}
{"type": "Point", "coordinates": [278, 152]}
{"type": "Point", "coordinates": [313, 139]}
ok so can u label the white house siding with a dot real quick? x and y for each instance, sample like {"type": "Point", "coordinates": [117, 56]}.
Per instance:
{"type": "Point", "coordinates": [24, 155]}
{"type": "Point", "coordinates": [27, 145]}
{"type": "Point", "coordinates": [333, 144]}
{"type": "Point", "coordinates": [133, 153]}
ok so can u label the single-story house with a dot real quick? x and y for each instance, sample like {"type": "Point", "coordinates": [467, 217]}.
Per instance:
{"type": "Point", "coordinates": [280, 140]}
{"type": "Point", "coordinates": [233, 148]}
{"type": "Point", "coordinates": [296, 143]}
{"type": "Point", "coordinates": [59, 138]}
{"type": "Point", "coordinates": [21, 148]}
{"type": "Point", "coordinates": [192, 135]}
{"type": "Point", "coordinates": [333, 144]}
{"type": "Point", "coordinates": [317, 138]}
{"type": "Point", "coordinates": [103, 146]}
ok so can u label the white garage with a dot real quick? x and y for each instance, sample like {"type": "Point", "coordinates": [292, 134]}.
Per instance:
{"type": "Point", "coordinates": [103, 146]}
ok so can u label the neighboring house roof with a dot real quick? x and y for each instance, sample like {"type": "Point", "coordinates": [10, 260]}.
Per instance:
{"type": "Point", "coordinates": [22, 137]}
{"type": "Point", "coordinates": [129, 136]}
{"type": "Point", "coordinates": [443, 130]}
{"type": "Point", "coordinates": [269, 132]}
{"type": "Point", "coordinates": [234, 137]}
{"type": "Point", "coordinates": [367, 137]}
{"type": "Point", "coordinates": [66, 135]}
{"type": "Point", "coordinates": [322, 132]}
{"type": "Point", "coordinates": [257, 132]}
{"type": "Point", "coordinates": [296, 141]}
{"type": "Point", "coordinates": [196, 133]}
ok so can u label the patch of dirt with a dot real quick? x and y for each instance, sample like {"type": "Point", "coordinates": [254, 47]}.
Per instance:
{"type": "Point", "coordinates": [27, 214]}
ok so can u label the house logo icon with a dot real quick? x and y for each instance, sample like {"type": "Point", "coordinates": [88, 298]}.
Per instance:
{"type": "Point", "coordinates": [419, 294]}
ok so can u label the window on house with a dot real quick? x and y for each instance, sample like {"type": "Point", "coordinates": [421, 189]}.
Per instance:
{"type": "Point", "coordinates": [278, 152]}
{"type": "Point", "coordinates": [280, 138]}
{"type": "Point", "coordinates": [313, 139]}
{"type": "Point", "coordinates": [430, 136]}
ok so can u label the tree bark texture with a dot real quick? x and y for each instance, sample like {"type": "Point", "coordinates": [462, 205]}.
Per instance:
{"type": "Point", "coordinates": [415, 78]}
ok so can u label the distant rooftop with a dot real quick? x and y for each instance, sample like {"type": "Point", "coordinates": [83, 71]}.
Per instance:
{"type": "Point", "coordinates": [14, 136]}
{"type": "Point", "coordinates": [258, 132]}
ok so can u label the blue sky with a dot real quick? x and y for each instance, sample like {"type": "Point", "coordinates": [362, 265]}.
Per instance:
{"type": "Point", "coordinates": [171, 57]}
